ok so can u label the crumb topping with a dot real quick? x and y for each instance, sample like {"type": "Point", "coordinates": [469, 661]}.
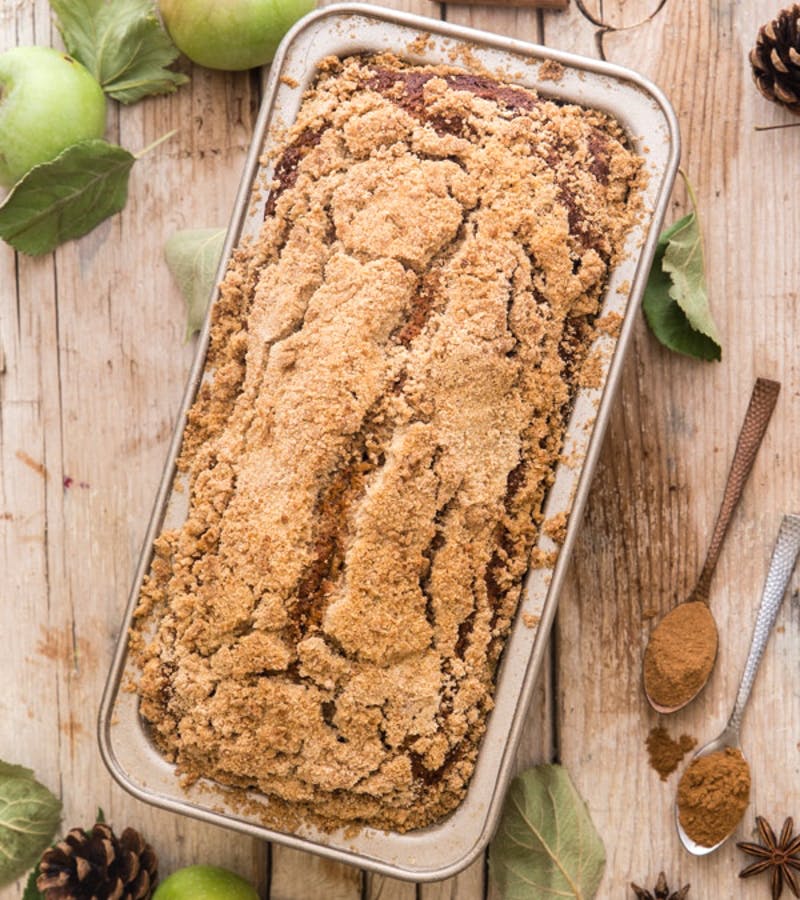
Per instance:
{"type": "Point", "coordinates": [394, 361]}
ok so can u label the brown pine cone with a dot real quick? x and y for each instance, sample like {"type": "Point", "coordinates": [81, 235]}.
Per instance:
{"type": "Point", "coordinates": [776, 59]}
{"type": "Point", "coordinates": [98, 865]}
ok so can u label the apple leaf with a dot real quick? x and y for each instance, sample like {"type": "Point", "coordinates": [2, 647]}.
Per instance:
{"type": "Point", "coordinates": [67, 197]}
{"type": "Point", "coordinates": [676, 298]}
{"type": "Point", "coordinates": [122, 43]}
{"type": "Point", "coordinates": [546, 844]}
{"type": "Point", "coordinates": [29, 816]}
{"type": "Point", "coordinates": [193, 258]}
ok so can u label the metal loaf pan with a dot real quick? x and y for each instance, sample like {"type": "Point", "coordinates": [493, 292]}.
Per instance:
{"type": "Point", "coordinates": [440, 850]}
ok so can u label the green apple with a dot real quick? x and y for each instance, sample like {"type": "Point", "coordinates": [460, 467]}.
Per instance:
{"type": "Point", "coordinates": [205, 883]}
{"type": "Point", "coordinates": [231, 35]}
{"type": "Point", "coordinates": [48, 101]}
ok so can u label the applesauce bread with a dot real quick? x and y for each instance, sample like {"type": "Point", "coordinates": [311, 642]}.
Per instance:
{"type": "Point", "coordinates": [394, 361]}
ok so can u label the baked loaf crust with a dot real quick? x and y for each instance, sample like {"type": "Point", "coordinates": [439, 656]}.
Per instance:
{"type": "Point", "coordinates": [394, 361]}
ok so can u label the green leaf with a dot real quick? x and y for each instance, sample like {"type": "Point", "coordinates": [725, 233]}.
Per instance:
{"type": "Point", "coordinates": [65, 198]}
{"type": "Point", "coordinates": [546, 845]}
{"type": "Point", "coordinates": [193, 258]}
{"type": "Point", "coordinates": [665, 317]}
{"type": "Point", "coordinates": [29, 816]}
{"type": "Point", "coordinates": [683, 261]}
{"type": "Point", "coordinates": [676, 299]}
{"type": "Point", "coordinates": [122, 43]}
{"type": "Point", "coordinates": [32, 892]}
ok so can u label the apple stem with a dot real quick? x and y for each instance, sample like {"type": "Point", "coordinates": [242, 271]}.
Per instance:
{"type": "Point", "coordinates": [149, 147]}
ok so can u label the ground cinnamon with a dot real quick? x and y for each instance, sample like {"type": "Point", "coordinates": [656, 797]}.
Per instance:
{"type": "Point", "coordinates": [680, 655]}
{"type": "Point", "coordinates": [665, 753]}
{"type": "Point", "coordinates": [713, 794]}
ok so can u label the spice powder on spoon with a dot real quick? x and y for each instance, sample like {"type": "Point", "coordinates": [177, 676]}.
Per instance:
{"type": "Point", "coordinates": [713, 794]}
{"type": "Point", "coordinates": [680, 654]}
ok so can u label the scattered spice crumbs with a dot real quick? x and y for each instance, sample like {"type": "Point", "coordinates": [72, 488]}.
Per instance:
{"type": "Point", "coordinates": [420, 44]}
{"type": "Point", "coordinates": [591, 373]}
{"type": "Point", "coordinates": [556, 527]}
{"type": "Point", "coordinates": [609, 324]}
{"type": "Point", "coordinates": [31, 463]}
{"type": "Point", "coordinates": [665, 753]}
{"type": "Point", "coordinates": [551, 70]}
{"type": "Point", "coordinates": [530, 620]}
{"type": "Point", "coordinates": [543, 559]}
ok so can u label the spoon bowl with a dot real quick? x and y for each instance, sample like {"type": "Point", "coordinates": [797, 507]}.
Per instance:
{"type": "Point", "coordinates": [728, 738]}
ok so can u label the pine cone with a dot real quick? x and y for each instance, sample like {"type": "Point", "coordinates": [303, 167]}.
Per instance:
{"type": "Point", "coordinates": [776, 59]}
{"type": "Point", "coordinates": [98, 866]}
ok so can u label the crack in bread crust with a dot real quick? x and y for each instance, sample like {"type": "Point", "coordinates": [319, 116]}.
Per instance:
{"type": "Point", "coordinates": [394, 362]}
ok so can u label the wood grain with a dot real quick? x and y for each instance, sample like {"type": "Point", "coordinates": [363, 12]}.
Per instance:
{"type": "Point", "coordinates": [536, 4]}
{"type": "Point", "coordinates": [662, 474]}
{"type": "Point", "coordinates": [92, 367]}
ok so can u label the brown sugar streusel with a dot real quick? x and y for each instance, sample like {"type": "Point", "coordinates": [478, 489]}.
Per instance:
{"type": "Point", "coordinates": [394, 360]}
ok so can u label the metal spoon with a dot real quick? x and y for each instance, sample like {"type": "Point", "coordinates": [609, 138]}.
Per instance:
{"type": "Point", "coordinates": [784, 557]}
{"type": "Point", "coordinates": [759, 410]}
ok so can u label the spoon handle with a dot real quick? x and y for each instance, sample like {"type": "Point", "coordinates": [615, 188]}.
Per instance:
{"type": "Point", "coordinates": [759, 411]}
{"type": "Point", "coordinates": [784, 556]}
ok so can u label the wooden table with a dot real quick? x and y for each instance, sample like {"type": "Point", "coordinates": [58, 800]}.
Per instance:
{"type": "Point", "coordinates": [93, 363]}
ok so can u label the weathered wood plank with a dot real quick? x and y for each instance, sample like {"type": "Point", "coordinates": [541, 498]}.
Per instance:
{"type": "Point", "coordinates": [380, 887]}
{"type": "Point", "coordinates": [523, 23]}
{"type": "Point", "coordinates": [95, 363]}
{"type": "Point", "coordinates": [296, 874]}
{"type": "Point", "coordinates": [663, 468]}
{"type": "Point", "coordinates": [469, 883]}
{"type": "Point", "coordinates": [32, 699]}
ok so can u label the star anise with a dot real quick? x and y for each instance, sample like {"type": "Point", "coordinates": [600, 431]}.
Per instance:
{"type": "Point", "coordinates": [778, 856]}
{"type": "Point", "coordinates": [661, 891]}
